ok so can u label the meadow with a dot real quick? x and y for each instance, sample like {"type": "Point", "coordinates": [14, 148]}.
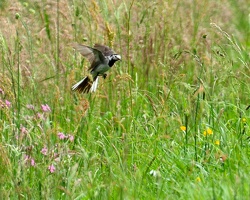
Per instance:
{"type": "Point", "coordinates": [170, 121]}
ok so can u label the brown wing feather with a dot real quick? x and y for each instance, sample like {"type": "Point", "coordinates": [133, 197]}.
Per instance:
{"type": "Point", "coordinates": [95, 56]}
{"type": "Point", "coordinates": [104, 49]}
{"type": "Point", "coordinates": [86, 51]}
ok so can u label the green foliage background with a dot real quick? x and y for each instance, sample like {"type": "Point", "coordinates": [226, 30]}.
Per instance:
{"type": "Point", "coordinates": [171, 120]}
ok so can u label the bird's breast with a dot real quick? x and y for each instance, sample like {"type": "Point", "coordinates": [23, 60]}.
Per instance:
{"type": "Point", "coordinates": [102, 68]}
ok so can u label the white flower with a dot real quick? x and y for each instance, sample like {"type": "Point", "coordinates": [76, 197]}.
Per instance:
{"type": "Point", "coordinates": [153, 173]}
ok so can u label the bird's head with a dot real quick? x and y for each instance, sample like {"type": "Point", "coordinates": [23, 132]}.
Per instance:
{"type": "Point", "coordinates": [113, 58]}
{"type": "Point", "coordinates": [116, 57]}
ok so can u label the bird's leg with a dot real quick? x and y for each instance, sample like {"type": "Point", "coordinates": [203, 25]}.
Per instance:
{"type": "Point", "coordinates": [104, 76]}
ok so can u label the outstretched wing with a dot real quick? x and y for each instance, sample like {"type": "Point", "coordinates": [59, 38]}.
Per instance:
{"type": "Point", "coordinates": [104, 49]}
{"type": "Point", "coordinates": [95, 56]}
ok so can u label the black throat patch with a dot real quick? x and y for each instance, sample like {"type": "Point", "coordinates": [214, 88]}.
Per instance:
{"type": "Point", "coordinates": [112, 62]}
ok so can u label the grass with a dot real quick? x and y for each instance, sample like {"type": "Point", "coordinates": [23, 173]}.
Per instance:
{"type": "Point", "coordinates": [169, 122]}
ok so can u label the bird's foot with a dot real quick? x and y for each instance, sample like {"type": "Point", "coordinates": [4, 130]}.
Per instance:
{"type": "Point", "coordinates": [104, 76]}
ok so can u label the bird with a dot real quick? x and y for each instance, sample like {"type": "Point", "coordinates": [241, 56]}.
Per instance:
{"type": "Point", "coordinates": [101, 58]}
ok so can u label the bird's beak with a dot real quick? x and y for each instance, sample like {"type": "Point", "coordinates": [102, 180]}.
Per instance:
{"type": "Point", "coordinates": [119, 57]}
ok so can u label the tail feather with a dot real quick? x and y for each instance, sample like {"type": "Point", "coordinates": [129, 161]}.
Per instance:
{"type": "Point", "coordinates": [83, 86]}
{"type": "Point", "coordinates": [94, 85]}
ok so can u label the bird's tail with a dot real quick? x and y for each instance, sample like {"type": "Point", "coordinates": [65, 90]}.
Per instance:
{"type": "Point", "coordinates": [83, 86]}
{"type": "Point", "coordinates": [94, 85]}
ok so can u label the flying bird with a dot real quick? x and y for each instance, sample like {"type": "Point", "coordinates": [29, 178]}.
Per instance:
{"type": "Point", "coordinates": [101, 58]}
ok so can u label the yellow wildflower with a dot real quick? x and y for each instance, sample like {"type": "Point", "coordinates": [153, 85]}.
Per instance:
{"type": "Point", "coordinates": [183, 128]}
{"type": "Point", "coordinates": [208, 132]}
{"type": "Point", "coordinates": [205, 133]}
{"type": "Point", "coordinates": [217, 142]}
{"type": "Point", "coordinates": [198, 179]}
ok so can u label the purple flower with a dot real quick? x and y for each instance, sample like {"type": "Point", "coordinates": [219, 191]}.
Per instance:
{"type": "Point", "coordinates": [29, 160]}
{"type": "Point", "coordinates": [23, 130]}
{"type": "Point", "coordinates": [29, 106]}
{"type": "Point", "coordinates": [44, 151]}
{"type": "Point", "coordinates": [45, 108]}
{"type": "Point", "coordinates": [40, 116]}
{"type": "Point", "coordinates": [52, 168]}
{"type": "Point", "coordinates": [7, 103]}
{"type": "Point", "coordinates": [26, 157]}
{"type": "Point", "coordinates": [32, 162]}
{"type": "Point", "coordinates": [71, 138]}
{"type": "Point", "coordinates": [56, 157]}
{"type": "Point", "coordinates": [61, 136]}
{"type": "Point", "coordinates": [1, 91]}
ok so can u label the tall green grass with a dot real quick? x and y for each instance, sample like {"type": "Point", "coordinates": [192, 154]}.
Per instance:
{"type": "Point", "coordinates": [169, 122]}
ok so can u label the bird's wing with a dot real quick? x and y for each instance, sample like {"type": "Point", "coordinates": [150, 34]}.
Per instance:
{"type": "Point", "coordinates": [106, 51]}
{"type": "Point", "coordinates": [95, 56]}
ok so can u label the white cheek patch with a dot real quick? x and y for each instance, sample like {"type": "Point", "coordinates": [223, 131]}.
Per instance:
{"type": "Point", "coordinates": [115, 57]}
{"type": "Point", "coordinates": [118, 57]}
